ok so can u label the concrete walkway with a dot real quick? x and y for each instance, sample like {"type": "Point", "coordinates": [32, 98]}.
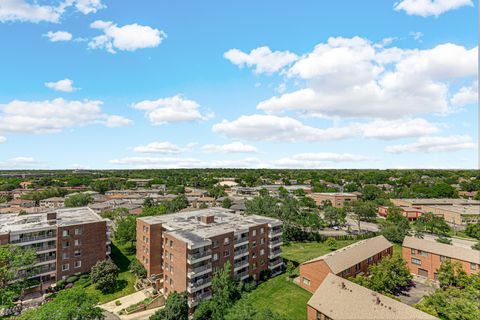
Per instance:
{"type": "Point", "coordinates": [126, 301]}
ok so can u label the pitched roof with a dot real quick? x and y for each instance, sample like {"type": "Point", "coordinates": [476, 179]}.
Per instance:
{"type": "Point", "coordinates": [339, 298]}
{"type": "Point", "coordinates": [349, 256]}
{"type": "Point", "coordinates": [448, 250]}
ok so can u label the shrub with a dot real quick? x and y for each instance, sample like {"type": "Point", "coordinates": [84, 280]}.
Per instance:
{"type": "Point", "coordinates": [118, 303]}
{"type": "Point", "coordinates": [444, 240]}
{"type": "Point", "coordinates": [61, 284]}
{"type": "Point", "coordinates": [71, 279]}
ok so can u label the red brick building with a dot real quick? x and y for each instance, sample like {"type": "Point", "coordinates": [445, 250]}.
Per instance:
{"type": "Point", "coordinates": [183, 250]}
{"type": "Point", "coordinates": [346, 262]}
{"type": "Point", "coordinates": [424, 256]}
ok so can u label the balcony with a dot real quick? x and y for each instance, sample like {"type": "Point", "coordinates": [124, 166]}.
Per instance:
{"type": "Point", "coordinates": [46, 258]}
{"type": "Point", "coordinates": [275, 243]}
{"type": "Point", "coordinates": [199, 256]}
{"type": "Point", "coordinates": [34, 238]}
{"type": "Point", "coordinates": [240, 264]}
{"type": "Point", "coordinates": [240, 252]}
{"type": "Point", "coordinates": [194, 286]}
{"type": "Point", "coordinates": [44, 248]}
{"type": "Point", "coordinates": [197, 271]}
{"type": "Point", "coordinates": [274, 232]}
{"type": "Point", "coordinates": [240, 241]}
{"type": "Point", "coordinates": [275, 264]}
{"type": "Point", "coordinates": [192, 302]}
{"type": "Point", "coordinates": [275, 253]}
{"type": "Point", "coordinates": [241, 276]}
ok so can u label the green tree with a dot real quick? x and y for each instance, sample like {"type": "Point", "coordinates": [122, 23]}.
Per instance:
{"type": "Point", "coordinates": [390, 276]}
{"type": "Point", "coordinates": [476, 246]}
{"type": "Point", "coordinates": [70, 304]}
{"type": "Point", "coordinates": [362, 211]}
{"type": "Point", "coordinates": [12, 260]}
{"type": "Point", "coordinates": [331, 243]}
{"type": "Point", "coordinates": [451, 274]}
{"type": "Point", "coordinates": [126, 230]}
{"type": "Point", "coordinates": [176, 308]}
{"type": "Point", "coordinates": [203, 205]}
{"type": "Point", "coordinates": [104, 274]}
{"type": "Point", "coordinates": [244, 310]}
{"type": "Point", "coordinates": [428, 222]}
{"type": "Point", "coordinates": [396, 226]}
{"type": "Point", "coordinates": [137, 268]}
{"type": "Point", "coordinates": [473, 230]}
{"type": "Point", "coordinates": [334, 216]}
{"type": "Point", "coordinates": [290, 270]}
{"type": "Point", "coordinates": [371, 193]}
{"type": "Point", "coordinates": [227, 203]}
{"type": "Point", "coordinates": [148, 202]}
{"type": "Point", "coordinates": [78, 200]}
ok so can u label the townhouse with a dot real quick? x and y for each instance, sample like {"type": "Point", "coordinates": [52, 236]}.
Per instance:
{"type": "Point", "coordinates": [184, 250]}
{"type": "Point", "coordinates": [339, 299]}
{"type": "Point", "coordinates": [425, 256]}
{"type": "Point", "coordinates": [67, 241]}
{"type": "Point", "coordinates": [346, 262]}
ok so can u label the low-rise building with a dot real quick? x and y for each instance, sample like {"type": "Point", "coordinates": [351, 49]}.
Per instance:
{"type": "Point", "coordinates": [52, 203]}
{"type": "Point", "coordinates": [185, 249]}
{"type": "Point", "coordinates": [410, 213]}
{"type": "Point", "coordinates": [21, 203]}
{"type": "Point", "coordinates": [67, 241]}
{"type": "Point", "coordinates": [349, 261]}
{"type": "Point", "coordinates": [339, 299]}
{"type": "Point", "coordinates": [337, 199]}
{"type": "Point", "coordinates": [424, 256]}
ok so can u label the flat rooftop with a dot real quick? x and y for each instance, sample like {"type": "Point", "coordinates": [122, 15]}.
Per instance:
{"type": "Point", "coordinates": [335, 194]}
{"type": "Point", "coordinates": [467, 210]}
{"type": "Point", "coordinates": [187, 225]}
{"type": "Point", "coordinates": [15, 222]}
{"type": "Point", "coordinates": [436, 201]}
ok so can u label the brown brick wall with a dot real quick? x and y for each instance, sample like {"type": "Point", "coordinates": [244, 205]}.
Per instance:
{"type": "Point", "coordinates": [220, 250]}
{"type": "Point", "coordinates": [311, 313]}
{"type": "Point", "coordinates": [4, 238]}
{"type": "Point", "coordinates": [258, 262]}
{"type": "Point", "coordinates": [431, 263]}
{"type": "Point", "coordinates": [175, 267]}
{"type": "Point", "coordinates": [149, 246]}
{"type": "Point", "coordinates": [92, 247]}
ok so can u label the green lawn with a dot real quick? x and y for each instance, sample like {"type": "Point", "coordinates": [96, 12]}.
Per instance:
{"type": "Point", "coordinates": [283, 296]}
{"type": "Point", "coordinates": [122, 256]}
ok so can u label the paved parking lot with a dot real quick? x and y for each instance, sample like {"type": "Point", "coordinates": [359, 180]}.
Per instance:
{"type": "Point", "coordinates": [415, 294]}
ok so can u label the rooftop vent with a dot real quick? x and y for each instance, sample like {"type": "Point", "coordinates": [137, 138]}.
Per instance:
{"type": "Point", "coordinates": [207, 219]}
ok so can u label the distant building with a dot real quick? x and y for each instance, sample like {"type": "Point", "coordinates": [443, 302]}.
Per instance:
{"type": "Point", "coordinates": [185, 249]}
{"type": "Point", "coordinates": [20, 203]}
{"type": "Point", "coordinates": [67, 241]}
{"type": "Point", "coordinates": [424, 256]}
{"type": "Point", "coordinates": [410, 213]}
{"type": "Point", "coordinates": [467, 194]}
{"type": "Point", "coordinates": [337, 199]}
{"type": "Point", "coordinates": [339, 299]}
{"type": "Point", "coordinates": [349, 261]}
{"type": "Point", "coordinates": [140, 182]}
{"type": "Point", "coordinates": [52, 203]}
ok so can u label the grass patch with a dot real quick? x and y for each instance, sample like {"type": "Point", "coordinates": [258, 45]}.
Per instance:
{"type": "Point", "coordinates": [282, 295]}
{"type": "Point", "coordinates": [122, 256]}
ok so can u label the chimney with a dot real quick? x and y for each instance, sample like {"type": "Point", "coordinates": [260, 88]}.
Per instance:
{"type": "Point", "coordinates": [207, 219]}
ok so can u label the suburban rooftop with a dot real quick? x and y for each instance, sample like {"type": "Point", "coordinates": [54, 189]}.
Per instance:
{"type": "Point", "coordinates": [348, 256]}
{"type": "Point", "coordinates": [187, 225]}
{"type": "Point", "coordinates": [339, 298]}
{"type": "Point", "coordinates": [455, 250]}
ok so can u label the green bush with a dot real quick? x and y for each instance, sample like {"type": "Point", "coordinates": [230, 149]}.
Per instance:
{"type": "Point", "coordinates": [71, 279]}
{"type": "Point", "coordinates": [61, 284]}
{"type": "Point", "coordinates": [118, 303]}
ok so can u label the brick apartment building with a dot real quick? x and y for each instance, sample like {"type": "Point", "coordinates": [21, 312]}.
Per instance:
{"type": "Point", "coordinates": [337, 199]}
{"type": "Point", "coordinates": [183, 250]}
{"type": "Point", "coordinates": [67, 241]}
{"type": "Point", "coordinates": [346, 262]}
{"type": "Point", "coordinates": [339, 299]}
{"type": "Point", "coordinates": [410, 213]}
{"type": "Point", "coordinates": [424, 256]}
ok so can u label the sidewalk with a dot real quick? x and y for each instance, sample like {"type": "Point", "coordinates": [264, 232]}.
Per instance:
{"type": "Point", "coordinates": [127, 301]}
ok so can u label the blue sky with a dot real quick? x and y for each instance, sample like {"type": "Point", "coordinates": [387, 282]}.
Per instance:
{"type": "Point", "coordinates": [281, 84]}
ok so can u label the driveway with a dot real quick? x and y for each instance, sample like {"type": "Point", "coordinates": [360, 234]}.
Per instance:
{"type": "Point", "coordinates": [415, 294]}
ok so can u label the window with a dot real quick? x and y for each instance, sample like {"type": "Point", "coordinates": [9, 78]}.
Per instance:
{"type": "Point", "coordinates": [215, 244]}
{"type": "Point", "coordinates": [215, 257]}
{"type": "Point", "coordinates": [413, 252]}
{"type": "Point", "coordinates": [254, 266]}
{"type": "Point", "coordinates": [226, 253]}
{"type": "Point", "coordinates": [226, 241]}
{"type": "Point", "coordinates": [171, 243]}
{"type": "Point", "coordinates": [78, 231]}
{"type": "Point", "coordinates": [345, 273]}
{"type": "Point", "coordinates": [418, 262]}
{"type": "Point", "coordinates": [77, 264]}
{"type": "Point", "coordinates": [66, 244]}
{"type": "Point", "coordinates": [65, 256]}
{"type": "Point", "coordinates": [78, 242]}
{"type": "Point", "coordinates": [65, 233]}
{"type": "Point", "coordinates": [262, 262]}
{"type": "Point", "coordinates": [262, 241]}
{"type": "Point", "coordinates": [78, 253]}
{"type": "Point", "coordinates": [423, 253]}
{"type": "Point", "coordinates": [262, 252]}
{"type": "Point", "coordinates": [254, 255]}
{"type": "Point", "coordinates": [254, 244]}
{"type": "Point", "coordinates": [171, 256]}
{"type": "Point", "coordinates": [262, 230]}
{"type": "Point", "coordinates": [473, 266]}
{"type": "Point", "coordinates": [443, 258]}
{"type": "Point", "coordinates": [146, 260]}
{"type": "Point", "coordinates": [357, 267]}
{"type": "Point", "coordinates": [65, 267]}
{"type": "Point", "coordinates": [306, 281]}
{"type": "Point", "coordinates": [254, 233]}
{"type": "Point", "coordinates": [370, 260]}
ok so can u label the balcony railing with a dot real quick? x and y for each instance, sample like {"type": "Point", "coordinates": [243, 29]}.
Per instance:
{"type": "Point", "coordinates": [199, 255]}
{"type": "Point", "coordinates": [199, 297]}
{"type": "Point", "coordinates": [200, 282]}
{"type": "Point", "coordinates": [46, 258]}
{"type": "Point", "coordinates": [35, 238]}
{"type": "Point", "coordinates": [200, 268]}
{"type": "Point", "coordinates": [240, 251]}
{"type": "Point", "coordinates": [242, 275]}
{"type": "Point", "coordinates": [274, 232]}
{"type": "Point", "coordinates": [240, 263]}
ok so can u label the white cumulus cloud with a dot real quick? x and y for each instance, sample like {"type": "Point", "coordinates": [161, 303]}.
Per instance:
{"type": "Point", "coordinates": [3, 139]}
{"type": "Point", "coordinates": [434, 144]}
{"type": "Point", "coordinates": [262, 58]}
{"type": "Point", "coordinates": [58, 36]}
{"type": "Point", "coordinates": [466, 95]}
{"type": "Point", "coordinates": [20, 163]}
{"type": "Point", "coordinates": [89, 6]}
{"type": "Point", "coordinates": [117, 121]}
{"type": "Point", "coordinates": [394, 129]}
{"type": "Point", "coordinates": [65, 85]}
{"type": "Point", "coordinates": [129, 37]}
{"type": "Point", "coordinates": [234, 147]}
{"type": "Point", "coordinates": [351, 77]}
{"type": "Point", "coordinates": [49, 116]}
{"type": "Point", "coordinates": [163, 147]}
{"type": "Point", "coordinates": [426, 8]}
{"type": "Point", "coordinates": [171, 109]}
